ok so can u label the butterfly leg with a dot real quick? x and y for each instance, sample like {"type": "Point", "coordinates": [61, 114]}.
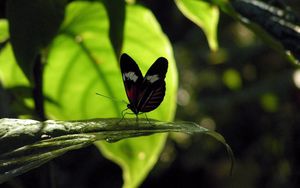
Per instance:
{"type": "Point", "coordinates": [136, 119]}
{"type": "Point", "coordinates": [149, 120]}
{"type": "Point", "coordinates": [123, 113]}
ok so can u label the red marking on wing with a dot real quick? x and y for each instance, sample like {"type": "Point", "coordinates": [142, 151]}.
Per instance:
{"type": "Point", "coordinates": [130, 93]}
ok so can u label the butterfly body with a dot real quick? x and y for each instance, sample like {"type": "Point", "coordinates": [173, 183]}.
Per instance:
{"type": "Point", "coordinates": [144, 93]}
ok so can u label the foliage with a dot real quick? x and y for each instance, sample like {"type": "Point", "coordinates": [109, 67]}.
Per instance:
{"type": "Point", "coordinates": [81, 62]}
{"type": "Point", "coordinates": [78, 43]}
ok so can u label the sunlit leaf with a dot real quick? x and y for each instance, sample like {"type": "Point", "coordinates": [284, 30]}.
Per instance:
{"type": "Point", "coordinates": [10, 73]}
{"type": "Point", "coordinates": [82, 62]}
{"type": "Point", "coordinates": [205, 15]}
{"type": "Point", "coordinates": [3, 30]}
{"type": "Point", "coordinates": [13, 79]}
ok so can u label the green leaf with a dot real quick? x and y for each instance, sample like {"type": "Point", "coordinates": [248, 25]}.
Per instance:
{"type": "Point", "coordinates": [3, 30]}
{"type": "Point", "coordinates": [205, 15]}
{"type": "Point", "coordinates": [32, 26]}
{"type": "Point", "coordinates": [82, 62]}
{"type": "Point", "coordinates": [15, 83]}
{"type": "Point", "coordinates": [10, 73]}
{"type": "Point", "coordinates": [27, 144]}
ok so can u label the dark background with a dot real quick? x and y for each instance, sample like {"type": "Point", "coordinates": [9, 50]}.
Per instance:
{"type": "Point", "coordinates": [258, 115]}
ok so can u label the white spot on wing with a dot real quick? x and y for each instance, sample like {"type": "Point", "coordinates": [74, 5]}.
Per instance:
{"type": "Point", "coordinates": [152, 78]}
{"type": "Point", "coordinates": [130, 76]}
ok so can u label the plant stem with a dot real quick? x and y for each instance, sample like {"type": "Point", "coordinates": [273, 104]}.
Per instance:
{"type": "Point", "coordinates": [38, 96]}
{"type": "Point", "coordinates": [45, 172]}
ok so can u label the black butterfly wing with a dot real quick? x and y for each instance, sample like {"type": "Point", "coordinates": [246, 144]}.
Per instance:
{"type": "Point", "coordinates": [132, 78]}
{"type": "Point", "coordinates": [153, 87]}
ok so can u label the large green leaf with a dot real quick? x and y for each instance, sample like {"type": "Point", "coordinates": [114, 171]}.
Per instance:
{"type": "Point", "coordinates": [82, 62]}
{"type": "Point", "coordinates": [32, 26]}
{"type": "Point", "coordinates": [205, 15]}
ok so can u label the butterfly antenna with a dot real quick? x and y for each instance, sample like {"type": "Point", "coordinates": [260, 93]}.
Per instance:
{"type": "Point", "coordinates": [114, 99]}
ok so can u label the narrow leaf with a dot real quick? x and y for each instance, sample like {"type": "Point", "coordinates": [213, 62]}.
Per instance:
{"type": "Point", "coordinates": [27, 144]}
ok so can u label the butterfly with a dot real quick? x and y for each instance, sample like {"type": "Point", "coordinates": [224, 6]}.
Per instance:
{"type": "Point", "coordinates": [144, 93]}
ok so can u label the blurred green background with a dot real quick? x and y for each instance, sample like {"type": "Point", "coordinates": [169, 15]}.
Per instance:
{"type": "Point", "coordinates": [246, 91]}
